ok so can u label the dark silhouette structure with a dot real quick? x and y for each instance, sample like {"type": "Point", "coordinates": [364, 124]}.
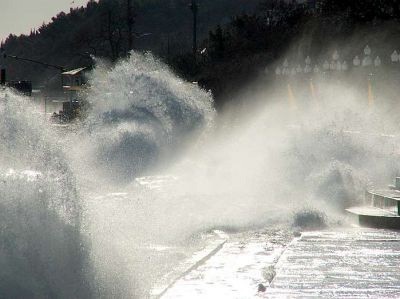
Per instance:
{"type": "Point", "coordinates": [2, 67]}
{"type": "Point", "coordinates": [195, 9]}
{"type": "Point", "coordinates": [130, 22]}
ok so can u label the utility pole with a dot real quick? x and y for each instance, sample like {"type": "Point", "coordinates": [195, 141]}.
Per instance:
{"type": "Point", "coordinates": [2, 66]}
{"type": "Point", "coordinates": [168, 48]}
{"type": "Point", "coordinates": [195, 9]}
{"type": "Point", "coordinates": [130, 22]}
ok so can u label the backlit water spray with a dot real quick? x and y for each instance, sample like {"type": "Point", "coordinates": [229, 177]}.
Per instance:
{"type": "Point", "coordinates": [114, 203]}
{"type": "Point", "coordinates": [42, 251]}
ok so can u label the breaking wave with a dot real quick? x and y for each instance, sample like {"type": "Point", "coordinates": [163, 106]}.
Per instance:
{"type": "Point", "coordinates": [141, 116]}
{"type": "Point", "coordinates": [258, 169]}
{"type": "Point", "coordinates": [42, 251]}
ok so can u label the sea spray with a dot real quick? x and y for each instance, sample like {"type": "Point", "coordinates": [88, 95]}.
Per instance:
{"type": "Point", "coordinates": [142, 115]}
{"type": "Point", "coordinates": [260, 172]}
{"type": "Point", "coordinates": [144, 119]}
{"type": "Point", "coordinates": [277, 161]}
{"type": "Point", "coordinates": [141, 118]}
{"type": "Point", "coordinates": [42, 251]}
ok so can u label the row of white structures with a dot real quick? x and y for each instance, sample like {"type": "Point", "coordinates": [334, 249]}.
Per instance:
{"type": "Point", "coordinates": [335, 64]}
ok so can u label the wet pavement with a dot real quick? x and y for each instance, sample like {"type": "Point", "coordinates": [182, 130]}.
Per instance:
{"type": "Point", "coordinates": [236, 270]}
{"type": "Point", "coordinates": [353, 263]}
{"type": "Point", "coordinates": [359, 263]}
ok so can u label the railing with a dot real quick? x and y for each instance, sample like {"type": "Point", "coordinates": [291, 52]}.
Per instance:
{"type": "Point", "coordinates": [387, 203]}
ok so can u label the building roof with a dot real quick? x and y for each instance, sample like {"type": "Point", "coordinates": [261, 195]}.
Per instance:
{"type": "Point", "coordinates": [74, 72]}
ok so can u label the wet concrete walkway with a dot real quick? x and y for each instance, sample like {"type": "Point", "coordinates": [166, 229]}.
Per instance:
{"type": "Point", "coordinates": [355, 263]}
{"type": "Point", "coordinates": [235, 271]}
{"type": "Point", "coordinates": [358, 263]}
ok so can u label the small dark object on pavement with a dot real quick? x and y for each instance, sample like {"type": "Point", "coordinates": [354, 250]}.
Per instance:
{"type": "Point", "coordinates": [297, 234]}
{"type": "Point", "coordinates": [310, 219]}
{"type": "Point", "coordinates": [261, 288]}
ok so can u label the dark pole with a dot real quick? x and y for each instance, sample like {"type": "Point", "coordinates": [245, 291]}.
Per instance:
{"type": "Point", "coordinates": [130, 24]}
{"type": "Point", "coordinates": [168, 49]}
{"type": "Point", "coordinates": [2, 67]}
{"type": "Point", "coordinates": [194, 7]}
{"type": "Point", "coordinates": [3, 76]}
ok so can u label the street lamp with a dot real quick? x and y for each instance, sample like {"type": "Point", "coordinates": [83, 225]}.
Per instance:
{"type": "Point", "coordinates": [395, 57]}
{"type": "Point", "coordinates": [367, 61]}
{"type": "Point", "coordinates": [326, 65]}
{"type": "Point", "coordinates": [307, 68]}
{"type": "Point", "coordinates": [335, 55]}
{"type": "Point", "coordinates": [377, 61]}
{"type": "Point", "coordinates": [367, 50]}
{"type": "Point", "coordinates": [299, 69]}
{"type": "Point", "coordinates": [356, 61]}
{"type": "Point", "coordinates": [338, 66]}
{"type": "Point", "coordinates": [345, 66]}
{"type": "Point", "coordinates": [286, 63]}
{"type": "Point", "coordinates": [335, 64]}
{"type": "Point", "coordinates": [285, 70]}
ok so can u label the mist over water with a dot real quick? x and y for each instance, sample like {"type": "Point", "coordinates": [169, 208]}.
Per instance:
{"type": "Point", "coordinates": [154, 167]}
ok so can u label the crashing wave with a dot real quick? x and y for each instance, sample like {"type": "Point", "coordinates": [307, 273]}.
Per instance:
{"type": "Point", "coordinates": [141, 113]}
{"type": "Point", "coordinates": [42, 251]}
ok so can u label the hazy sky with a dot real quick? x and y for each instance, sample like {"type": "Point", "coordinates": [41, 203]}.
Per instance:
{"type": "Point", "coordinates": [19, 16]}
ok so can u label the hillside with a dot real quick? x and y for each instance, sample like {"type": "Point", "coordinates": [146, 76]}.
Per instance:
{"type": "Point", "coordinates": [240, 38]}
{"type": "Point", "coordinates": [101, 29]}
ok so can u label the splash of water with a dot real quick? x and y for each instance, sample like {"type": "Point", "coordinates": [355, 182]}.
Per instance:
{"type": "Point", "coordinates": [42, 252]}
{"type": "Point", "coordinates": [254, 171]}
{"type": "Point", "coordinates": [279, 160]}
{"type": "Point", "coordinates": [257, 170]}
{"type": "Point", "coordinates": [141, 116]}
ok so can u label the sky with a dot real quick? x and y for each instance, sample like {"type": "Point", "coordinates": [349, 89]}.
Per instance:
{"type": "Point", "coordinates": [20, 16]}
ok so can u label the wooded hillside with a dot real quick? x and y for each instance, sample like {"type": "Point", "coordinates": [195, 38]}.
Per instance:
{"type": "Point", "coordinates": [237, 38]}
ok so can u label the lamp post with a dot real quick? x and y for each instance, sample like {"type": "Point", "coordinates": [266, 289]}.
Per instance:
{"type": "Point", "coordinates": [367, 61]}
{"type": "Point", "coordinates": [195, 9]}
{"type": "Point", "coordinates": [307, 68]}
{"type": "Point", "coordinates": [345, 66]}
{"type": "Point", "coordinates": [286, 68]}
{"type": "Point", "coordinates": [369, 64]}
{"type": "Point", "coordinates": [269, 17]}
{"type": "Point", "coordinates": [356, 61]}
{"type": "Point", "coordinates": [308, 71]}
{"type": "Point", "coordinates": [335, 64]}
{"type": "Point", "coordinates": [316, 69]}
{"type": "Point", "coordinates": [377, 62]}
{"type": "Point", "coordinates": [285, 71]}
{"type": "Point", "coordinates": [395, 58]}
{"type": "Point", "coordinates": [326, 66]}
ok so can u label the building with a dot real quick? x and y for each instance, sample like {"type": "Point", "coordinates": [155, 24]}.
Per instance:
{"type": "Point", "coordinates": [73, 82]}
